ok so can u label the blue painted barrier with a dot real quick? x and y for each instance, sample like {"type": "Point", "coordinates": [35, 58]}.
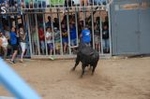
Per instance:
{"type": "Point", "coordinates": [15, 84]}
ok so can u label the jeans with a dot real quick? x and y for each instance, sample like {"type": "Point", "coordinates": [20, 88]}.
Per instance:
{"type": "Point", "coordinates": [105, 43]}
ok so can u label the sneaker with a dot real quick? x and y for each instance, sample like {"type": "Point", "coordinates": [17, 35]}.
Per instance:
{"type": "Point", "coordinates": [12, 62]}
{"type": "Point", "coordinates": [21, 61]}
{"type": "Point", "coordinates": [51, 57]}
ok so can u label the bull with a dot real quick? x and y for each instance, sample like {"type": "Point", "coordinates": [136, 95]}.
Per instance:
{"type": "Point", "coordinates": [87, 56]}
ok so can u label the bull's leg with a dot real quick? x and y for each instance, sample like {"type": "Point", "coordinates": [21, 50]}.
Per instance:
{"type": "Point", "coordinates": [83, 70]}
{"type": "Point", "coordinates": [76, 63]}
{"type": "Point", "coordinates": [93, 70]}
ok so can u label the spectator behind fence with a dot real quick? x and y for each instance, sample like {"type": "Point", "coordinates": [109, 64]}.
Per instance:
{"type": "Point", "coordinates": [42, 40]}
{"type": "Point", "coordinates": [34, 38]}
{"type": "Point", "coordinates": [56, 23]}
{"type": "Point", "coordinates": [97, 37]}
{"type": "Point", "coordinates": [105, 38]}
{"type": "Point", "coordinates": [49, 39]}
{"type": "Point", "coordinates": [73, 35]}
{"type": "Point", "coordinates": [86, 36]}
{"type": "Point", "coordinates": [48, 23]}
{"type": "Point", "coordinates": [4, 44]}
{"type": "Point", "coordinates": [64, 38]}
{"type": "Point", "coordinates": [22, 40]}
{"type": "Point", "coordinates": [14, 43]}
{"type": "Point", "coordinates": [57, 40]}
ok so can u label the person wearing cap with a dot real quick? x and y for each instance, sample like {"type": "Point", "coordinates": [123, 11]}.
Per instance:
{"type": "Point", "coordinates": [4, 43]}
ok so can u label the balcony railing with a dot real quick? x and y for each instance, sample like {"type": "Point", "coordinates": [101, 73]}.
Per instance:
{"type": "Point", "coordinates": [20, 6]}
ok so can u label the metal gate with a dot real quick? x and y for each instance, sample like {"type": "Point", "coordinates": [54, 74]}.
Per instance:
{"type": "Point", "coordinates": [144, 26]}
{"type": "Point", "coordinates": [130, 27]}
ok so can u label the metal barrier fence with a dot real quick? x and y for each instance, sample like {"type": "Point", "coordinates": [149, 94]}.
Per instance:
{"type": "Point", "coordinates": [62, 19]}
{"type": "Point", "coordinates": [72, 20]}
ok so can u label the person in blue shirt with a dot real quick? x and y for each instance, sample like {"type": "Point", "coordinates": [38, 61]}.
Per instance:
{"type": "Point", "coordinates": [86, 36]}
{"type": "Point", "coordinates": [14, 43]}
{"type": "Point", "coordinates": [73, 35]}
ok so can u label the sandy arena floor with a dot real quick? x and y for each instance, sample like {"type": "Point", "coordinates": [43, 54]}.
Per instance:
{"type": "Point", "coordinates": [113, 79]}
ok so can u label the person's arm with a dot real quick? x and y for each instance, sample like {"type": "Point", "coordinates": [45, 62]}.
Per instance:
{"type": "Point", "coordinates": [7, 35]}
{"type": "Point", "coordinates": [17, 33]}
{"type": "Point", "coordinates": [47, 36]}
{"type": "Point", "coordinates": [25, 36]}
{"type": "Point", "coordinates": [81, 34]}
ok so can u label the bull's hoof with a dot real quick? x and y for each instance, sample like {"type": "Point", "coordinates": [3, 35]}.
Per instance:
{"type": "Point", "coordinates": [81, 76]}
{"type": "Point", "coordinates": [92, 73]}
{"type": "Point", "coordinates": [73, 69]}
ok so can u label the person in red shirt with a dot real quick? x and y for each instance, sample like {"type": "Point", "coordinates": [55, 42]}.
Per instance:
{"type": "Point", "coordinates": [42, 40]}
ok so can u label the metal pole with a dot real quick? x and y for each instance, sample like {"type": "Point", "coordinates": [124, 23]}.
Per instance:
{"type": "Point", "coordinates": [68, 28]}
{"type": "Point", "coordinates": [61, 49]}
{"type": "Point", "coordinates": [45, 33]}
{"type": "Point", "coordinates": [52, 27]}
{"type": "Point", "coordinates": [100, 29]}
{"type": "Point", "coordinates": [92, 29]}
{"type": "Point", "coordinates": [110, 36]}
{"type": "Point", "coordinates": [29, 31]}
{"type": "Point", "coordinates": [36, 24]}
{"type": "Point", "coordinates": [31, 18]}
{"type": "Point", "coordinates": [76, 21]}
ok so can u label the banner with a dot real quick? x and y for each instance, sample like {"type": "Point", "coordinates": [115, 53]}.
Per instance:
{"type": "Point", "coordinates": [27, 1]}
{"type": "Point", "coordinates": [57, 2]}
{"type": "Point", "coordinates": [76, 2]}
{"type": "Point", "coordinates": [98, 2]}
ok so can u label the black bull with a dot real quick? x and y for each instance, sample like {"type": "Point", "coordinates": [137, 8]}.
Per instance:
{"type": "Point", "coordinates": [87, 56]}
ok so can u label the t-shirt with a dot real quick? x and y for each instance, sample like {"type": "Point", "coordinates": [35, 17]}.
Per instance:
{"type": "Point", "coordinates": [4, 41]}
{"type": "Point", "coordinates": [13, 38]}
{"type": "Point", "coordinates": [105, 34]}
{"type": "Point", "coordinates": [86, 36]}
{"type": "Point", "coordinates": [49, 36]}
{"type": "Point", "coordinates": [57, 36]}
{"type": "Point", "coordinates": [64, 33]}
{"type": "Point", "coordinates": [22, 37]}
{"type": "Point", "coordinates": [41, 35]}
{"type": "Point", "coordinates": [96, 32]}
{"type": "Point", "coordinates": [73, 34]}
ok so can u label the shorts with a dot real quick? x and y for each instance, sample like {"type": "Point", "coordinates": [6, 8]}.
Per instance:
{"type": "Point", "coordinates": [14, 47]}
{"type": "Point", "coordinates": [50, 45]}
{"type": "Point", "coordinates": [57, 46]}
{"type": "Point", "coordinates": [96, 39]}
{"type": "Point", "coordinates": [73, 42]}
{"type": "Point", "coordinates": [23, 46]}
{"type": "Point", "coordinates": [42, 45]}
{"type": "Point", "coordinates": [65, 40]}
{"type": "Point", "coordinates": [5, 45]}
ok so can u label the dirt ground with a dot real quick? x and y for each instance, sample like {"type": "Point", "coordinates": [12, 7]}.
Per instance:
{"type": "Point", "coordinates": [113, 79]}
